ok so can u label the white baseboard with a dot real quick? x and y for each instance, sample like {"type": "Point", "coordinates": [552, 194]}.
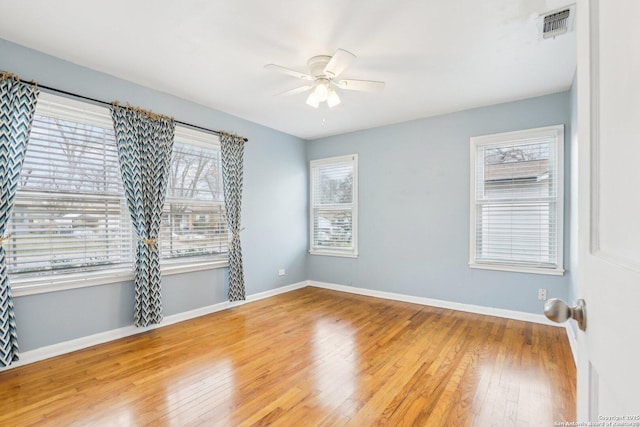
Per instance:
{"type": "Point", "coordinates": [488, 311]}
{"type": "Point", "coordinates": [573, 343]}
{"type": "Point", "coordinates": [58, 349]}
{"type": "Point", "coordinates": [277, 291]}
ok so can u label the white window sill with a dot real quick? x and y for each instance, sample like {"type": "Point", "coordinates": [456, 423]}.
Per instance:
{"type": "Point", "coordinates": [54, 283]}
{"type": "Point", "coordinates": [334, 253]}
{"type": "Point", "coordinates": [518, 269]}
{"type": "Point", "coordinates": [168, 269]}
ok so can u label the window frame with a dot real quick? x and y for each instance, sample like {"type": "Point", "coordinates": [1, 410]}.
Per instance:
{"type": "Point", "coordinates": [335, 251]}
{"type": "Point", "coordinates": [32, 285]}
{"type": "Point", "coordinates": [177, 265]}
{"type": "Point", "coordinates": [509, 138]}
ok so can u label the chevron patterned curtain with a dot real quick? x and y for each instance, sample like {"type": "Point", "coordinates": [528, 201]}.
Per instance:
{"type": "Point", "coordinates": [232, 147]}
{"type": "Point", "coordinates": [145, 143]}
{"type": "Point", "coordinates": [17, 106]}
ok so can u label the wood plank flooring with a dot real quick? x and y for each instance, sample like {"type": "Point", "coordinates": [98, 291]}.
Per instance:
{"type": "Point", "coordinates": [305, 358]}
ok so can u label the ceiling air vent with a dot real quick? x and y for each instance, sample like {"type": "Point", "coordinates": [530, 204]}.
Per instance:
{"type": "Point", "coordinates": [557, 22]}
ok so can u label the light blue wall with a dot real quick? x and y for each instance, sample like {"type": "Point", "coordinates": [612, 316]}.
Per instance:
{"type": "Point", "coordinates": [274, 211]}
{"type": "Point", "coordinates": [414, 208]}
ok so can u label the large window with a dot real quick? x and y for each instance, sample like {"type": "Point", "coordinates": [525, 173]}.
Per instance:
{"type": "Point", "coordinates": [334, 206]}
{"type": "Point", "coordinates": [194, 225]}
{"type": "Point", "coordinates": [69, 214]}
{"type": "Point", "coordinates": [517, 201]}
{"type": "Point", "coordinates": [70, 224]}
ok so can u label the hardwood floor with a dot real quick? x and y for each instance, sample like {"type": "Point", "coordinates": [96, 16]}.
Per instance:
{"type": "Point", "coordinates": [307, 357]}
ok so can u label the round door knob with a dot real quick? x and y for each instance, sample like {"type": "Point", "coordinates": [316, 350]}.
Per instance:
{"type": "Point", "coordinates": [559, 311]}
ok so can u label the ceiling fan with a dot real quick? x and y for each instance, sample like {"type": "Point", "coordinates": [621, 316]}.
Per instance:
{"type": "Point", "coordinates": [323, 76]}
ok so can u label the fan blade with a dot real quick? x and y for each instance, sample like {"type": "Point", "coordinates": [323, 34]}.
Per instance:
{"type": "Point", "coordinates": [296, 90]}
{"type": "Point", "coordinates": [289, 71]}
{"type": "Point", "coordinates": [340, 61]}
{"type": "Point", "coordinates": [361, 85]}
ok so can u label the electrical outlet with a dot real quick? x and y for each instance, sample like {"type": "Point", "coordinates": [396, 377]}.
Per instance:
{"type": "Point", "coordinates": [281, 272]}
{"type": "Point", "coordinates": [542, 294]}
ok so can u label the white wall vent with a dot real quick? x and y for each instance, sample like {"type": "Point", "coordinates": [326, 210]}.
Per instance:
{"type": "Point", "coordinates": [557, 22]}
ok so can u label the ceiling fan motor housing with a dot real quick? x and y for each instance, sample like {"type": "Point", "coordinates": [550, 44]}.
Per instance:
{"type": "Point", "coordinates": [317, 65]}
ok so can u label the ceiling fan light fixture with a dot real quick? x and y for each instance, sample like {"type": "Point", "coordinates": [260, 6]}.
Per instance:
{"type": "Point", "coordinates": [313, 100]}
{"type": "Point", "coordinates": [332, 98]}
{"type": "Point", "coordinates": [322, 90]}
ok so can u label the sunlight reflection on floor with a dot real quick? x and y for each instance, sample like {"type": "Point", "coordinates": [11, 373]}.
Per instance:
{"type": "Point", "coordinates": [335, 361]}
{"type": "Point", "coordinates": [213, 388]}
{"type": "Point", "coordinates": [513, 393]}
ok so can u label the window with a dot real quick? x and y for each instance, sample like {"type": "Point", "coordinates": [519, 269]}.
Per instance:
{"type": "Point", "coordinates": [334, 206]}
{"type": "Point", "coordinates": [69, 215]}
{"type": "Point", "coordinates": [194, 225]}
{"type": "Point", "coordinates": [517, 201]}
{"type": "Point", "coordinates": [70, 225]}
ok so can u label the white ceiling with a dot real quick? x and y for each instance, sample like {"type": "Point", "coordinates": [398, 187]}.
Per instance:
{"type": "Point", "coordinates": [436, 56]}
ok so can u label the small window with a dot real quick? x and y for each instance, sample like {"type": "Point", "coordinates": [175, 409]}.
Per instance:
{"type": "Point", "coordinates": [517, 201]}
{"type": "Point", "coordinates": [334, 206]}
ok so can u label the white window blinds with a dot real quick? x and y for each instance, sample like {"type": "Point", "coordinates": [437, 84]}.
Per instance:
{"type": "Point", "coordinates": [517, 203]}
{"type": "Point", "coordinates": [193, 222]}
{"type": "Point", "coordinates": [69, 213]}
{"type": "Point", "coordinates": [334, 205]}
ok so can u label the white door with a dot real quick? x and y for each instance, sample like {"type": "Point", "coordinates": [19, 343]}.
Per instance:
{"type": "Point", "coordinates": [609, 209]}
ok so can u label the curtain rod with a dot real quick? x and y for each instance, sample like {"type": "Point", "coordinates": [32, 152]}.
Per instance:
{"type": "Point", "coordinates": [99, 101]}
